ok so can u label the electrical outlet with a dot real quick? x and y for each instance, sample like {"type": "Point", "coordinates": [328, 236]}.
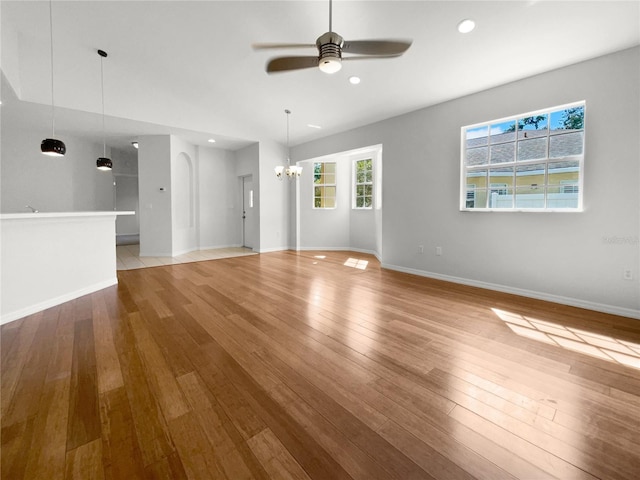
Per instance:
{"type": "Point", "coordinates": [627, 274]}
{"type": "Point", "coordinates": [420, 248]}
{"type": "Point", "coordinates": [438, 251]}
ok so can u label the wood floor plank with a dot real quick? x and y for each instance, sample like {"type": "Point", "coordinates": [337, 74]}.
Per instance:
{"type": "Point", "coordinates": [276, 460]}
{"type": "Point", "coordinates": [84, 414]}
{"type": "Point", "coordinates": [161, 379]}
{"type": "Point", "coordinates": [224, 449]}
{"type": "Point", "coordinates": [296, 365]}
{"type": "Point", "coordinates": [121, 452]}
{"type": "Point", "coordinates": [85, 462]}
{"type": "Point", "coordinates": [109, 373]}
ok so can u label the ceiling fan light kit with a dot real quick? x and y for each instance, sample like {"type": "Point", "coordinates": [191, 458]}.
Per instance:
{"type": "Point", "coordinates": [330, 48]}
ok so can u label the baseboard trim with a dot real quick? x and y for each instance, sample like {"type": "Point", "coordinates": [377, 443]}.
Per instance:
{"type": "Point", "coordinates": [52, 302]}
{"type": "Point", "coordinates": [573, 302]}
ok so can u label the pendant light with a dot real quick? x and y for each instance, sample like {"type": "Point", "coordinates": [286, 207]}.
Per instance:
{"type": "Point", "coordinates": [103, 163]}
{"type": "Point", "coordinates": [52, 146]}
{"type": "Point", "coordinates": [290, 171]}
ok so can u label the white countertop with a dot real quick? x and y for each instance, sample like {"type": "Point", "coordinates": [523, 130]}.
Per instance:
{"type": "Point", "coordinates": [30, 215]}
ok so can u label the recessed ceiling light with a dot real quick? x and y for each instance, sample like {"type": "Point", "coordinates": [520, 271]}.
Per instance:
{"type": "Point", "coordinates": [310, 125]}
{"type": "Point", "coordinates": [354, 80]}
{"type": "Point", "coordinates": [135, 144]}
{"type": "Point", "coordinates": [211, 140]}
{"type": "Point", "coordinates": [466, 26]}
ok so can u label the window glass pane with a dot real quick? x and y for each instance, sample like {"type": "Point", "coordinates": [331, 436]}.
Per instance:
{"type": "Point", "coordinates": [566, 144]}
{"type": "Point", "coordinates": [477, 178]}
{"type": "Point", "coordinates": [567, 120]}
{"type": "Point", "coordinates": [317, 191]}
{"type": "Point", "coordinates": [501, 197]}
{"type": "Point", "coordinates": [503, 132]}
{"type": "Point", "coordinates": [477, 136]}
{"type": "Point", "coordinates": [369, 177]}
{"type": "Point", "coordinates": [561, 173]}
{"type": "Point", "coordinates": [501, 177]}
{"type": "Point", "coordinates": [368, 201]}
{"type": "Point", "coordinates": [531, 149]}
{"type": "Point", "coordinates": [368, 190]}
{"type": "Point", "coordinates": [503, 152]}
{"type": "Point", "coordinates": [330, 178]}
{"type": "Point", "coordinates": [329, 202]}
{"type": "Point", "coordinates": [477, 156]}
{"type": "Point", "coordinates": [533, 127]}
{"type": "Point", "coordinates": [558, 198]}
{"type": "Point", "coordinates": [501, 187]}
{"type": "Point", "coordinates": [359, 202]}
{"type": "Point", "coordinates": [526, 197]}
{"type": "Point", "coordinates": [531, 176]}
{"type": "Point", "coordinates": [361, 177]}
{"type": "Point", "coordinates": [359, 190]}
{"type": "Point", "coordinates": [475, 197]}
{"type": "Point", "coordinates": [330, 191]}
{"type": "Point", "coordinates": [330, 167]}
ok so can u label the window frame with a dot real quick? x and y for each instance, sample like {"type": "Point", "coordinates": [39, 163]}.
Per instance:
{"type": "Point", "coordinates": [355, 184]}
{"type": "Point", "coordinates": [547, 161]}
{"type": "Point", "coordinates": [324, 185]}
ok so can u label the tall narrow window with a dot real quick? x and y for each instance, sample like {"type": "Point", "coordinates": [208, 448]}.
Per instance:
{"type": "Point", "coordinates": [532, 161]}
{"type": "Point", "coordinates": [324, 185]}
{"type": "Point", "coordinates": [363, 184]}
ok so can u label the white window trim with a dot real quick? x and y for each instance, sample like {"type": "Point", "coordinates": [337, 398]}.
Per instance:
{"type": "Point", "coordinates": [546, 161]}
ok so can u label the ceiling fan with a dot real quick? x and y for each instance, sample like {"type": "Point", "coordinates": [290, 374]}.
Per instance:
{"type": "Point", "coordinates": [330, 47]}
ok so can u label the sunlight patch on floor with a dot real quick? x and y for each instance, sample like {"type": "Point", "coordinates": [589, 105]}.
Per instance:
{"type": "Point", "coordinates": [571, 338]}
{"type": "Point", "coordinates": [355, 263]}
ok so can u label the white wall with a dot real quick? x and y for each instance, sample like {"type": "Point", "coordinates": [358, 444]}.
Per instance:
{"type": "Point", "coordinates": [273, 199]}
{"type": "Point", "coordinates": [51, 184]}
{"type": "Point", "coordinates": [219, 206]}
{"type": "Point", "coordinates": [154, 167]}
{"type": "Point", "coordinates": [573, 258]}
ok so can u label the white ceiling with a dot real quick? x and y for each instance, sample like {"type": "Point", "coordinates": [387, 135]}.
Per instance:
{"type": "Point", "coordinates": [188, 67]}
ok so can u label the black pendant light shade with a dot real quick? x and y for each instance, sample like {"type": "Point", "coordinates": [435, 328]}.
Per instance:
{"type": "Point", "coordinates": [104, 163]}
{"type": "Point", "coordinates": [53, 147]}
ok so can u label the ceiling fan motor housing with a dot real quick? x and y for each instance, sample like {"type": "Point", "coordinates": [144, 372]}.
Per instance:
{"type": "Point", "coordinates": [330, 52]}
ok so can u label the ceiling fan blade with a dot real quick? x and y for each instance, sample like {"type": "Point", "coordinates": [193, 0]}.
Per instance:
{"type": "Point", "coordinates": [376, 47]}
{"type": "Point", "coordinates": [369, 57]}
{"type": "Point", "coordinates": [267, 46]}
{"type": "Point", "coordinates": [282, 64]}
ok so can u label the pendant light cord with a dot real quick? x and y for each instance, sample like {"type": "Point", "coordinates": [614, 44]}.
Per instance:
{"type": "Point", "coordinates": [330, 8]}
{"type": "Point", "coordinates": [288, 159]}
{"type": "Point", "coordinates": [104, 138]}
{"type": "Point", "coordinates": [53, 117]}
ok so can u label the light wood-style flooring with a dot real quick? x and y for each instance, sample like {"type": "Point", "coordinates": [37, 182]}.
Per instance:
{"type": "Point", "coordinates": [316, 365]}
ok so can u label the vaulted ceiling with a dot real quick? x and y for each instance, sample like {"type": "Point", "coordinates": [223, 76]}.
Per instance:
{"type": "Point", "coordinates": [188, 67]}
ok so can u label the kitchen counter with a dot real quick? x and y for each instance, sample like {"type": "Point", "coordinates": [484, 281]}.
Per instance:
{"type": "Point", "coordinates": [48, 258]}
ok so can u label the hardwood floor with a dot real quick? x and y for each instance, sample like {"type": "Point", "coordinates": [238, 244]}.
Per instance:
{"type": "Point", "coordinates": [310, 366]}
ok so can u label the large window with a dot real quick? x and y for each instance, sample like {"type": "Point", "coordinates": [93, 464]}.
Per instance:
{"type": "Point", "coordinates": [363, 184]}
{"type": "Point", "coordinates": [324, 185]}
{"type": "Point", "coordinates": [527, 162]}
